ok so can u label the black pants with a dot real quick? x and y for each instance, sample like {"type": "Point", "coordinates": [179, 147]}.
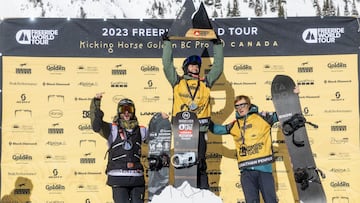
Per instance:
{"type": "Point", "coordinates": [128, 194]}
{"type": "Point", "coordinates": [127, 189]}
{"type": "Point", "coordinates": [202, 177]}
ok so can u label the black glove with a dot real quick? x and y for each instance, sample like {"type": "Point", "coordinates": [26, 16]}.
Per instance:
{"type": "Point", "coordinates": [216, 41]}
{"type": "Point", "coordinates": [165, 36]}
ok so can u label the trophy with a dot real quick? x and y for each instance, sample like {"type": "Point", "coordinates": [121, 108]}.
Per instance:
{"type": "Point", "coordinates": [191, 24]}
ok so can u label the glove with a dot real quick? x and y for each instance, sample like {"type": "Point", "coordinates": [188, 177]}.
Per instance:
{"type": "Point", "coordinates": [165, 36]}
{"type": "Point", "coordinates": [216, 41]}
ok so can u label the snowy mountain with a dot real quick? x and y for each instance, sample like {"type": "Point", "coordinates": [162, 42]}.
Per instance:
{"type": "Point", "coordinates": [167, 9]}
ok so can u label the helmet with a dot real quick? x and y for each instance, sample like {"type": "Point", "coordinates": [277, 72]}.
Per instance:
{"type": "Point", "coordinates": [126, 105]}
{"type": "Point", "coordinates": [193, 59]}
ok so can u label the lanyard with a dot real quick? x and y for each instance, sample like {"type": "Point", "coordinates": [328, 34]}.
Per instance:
{"type": "Point", "coordinates": [242, 130]}
{"type": "Point", "coordinates": [197, 88]}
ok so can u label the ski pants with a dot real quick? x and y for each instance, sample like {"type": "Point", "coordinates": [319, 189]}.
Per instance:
{"type": "Point", "coordinates": [253, 182]}
{"type": "Point", "coordinates": [128, 194]}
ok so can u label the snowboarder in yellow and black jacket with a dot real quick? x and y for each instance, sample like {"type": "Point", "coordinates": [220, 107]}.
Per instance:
{"type": "Point", "coordinates": [192, 93]}
{"type": "Point", "coordinates": [251, 132]}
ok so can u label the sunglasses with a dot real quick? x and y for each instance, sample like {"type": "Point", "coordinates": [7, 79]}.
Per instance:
{"type": "Point", "coordinates": [242, 105]}
{"type": "Point", "coordinates": [128, 108]}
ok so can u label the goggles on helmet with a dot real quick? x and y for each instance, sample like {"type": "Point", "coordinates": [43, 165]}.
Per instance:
{"type": "Point", "coordinates": [126, 108]}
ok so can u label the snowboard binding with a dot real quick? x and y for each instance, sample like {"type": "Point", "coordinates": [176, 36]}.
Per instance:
{"type": "Point", "coordinates": [183, 160]}
{"type": "Point", "coordinates": [304, 176]}
{"type": "Point", "coordinates": [156, 162]}
{"type": "Point", "coordinates": [294, 123]}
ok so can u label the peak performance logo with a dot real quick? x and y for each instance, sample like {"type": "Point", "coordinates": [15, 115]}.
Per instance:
{"type": "Point", "coordinates": [35, 37]}
{"type": "Point", "coordinates": [322, 35]}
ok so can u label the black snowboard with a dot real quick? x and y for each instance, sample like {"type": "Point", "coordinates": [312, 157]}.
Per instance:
{"type": "Point", "coordinates": [159, 154]}
{"type": "Point", "coordinates": [288, 108]}
{"type": "Point", "coordinates": [186, 139]}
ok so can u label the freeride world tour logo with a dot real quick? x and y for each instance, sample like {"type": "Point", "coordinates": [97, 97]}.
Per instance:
{"type": "Point", "coordinates": [35, 37]}
{"type": "Point", "coordinates": [322, 35]}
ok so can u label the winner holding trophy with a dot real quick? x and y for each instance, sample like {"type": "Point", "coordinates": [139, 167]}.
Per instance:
{"type": "Point", "coordinates": [191, 108]}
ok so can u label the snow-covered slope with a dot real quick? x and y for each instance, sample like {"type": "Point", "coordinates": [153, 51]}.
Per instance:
{"type": "Point", "coordinates": [168, 8]}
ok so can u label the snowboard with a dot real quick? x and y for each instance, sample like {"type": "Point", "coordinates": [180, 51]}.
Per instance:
{"type": "Point", "coordinates": [159, 145]}
{"type": "Point", "coordinates": [306, 174]}
{"type": "Point", "coordinates": [186, 138]}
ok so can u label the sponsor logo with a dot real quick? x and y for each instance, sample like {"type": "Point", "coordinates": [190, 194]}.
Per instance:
{"type": "Point", "coordinates": [338, 127]}
{"type": "Point", "coordinates": [336, 66]}
{"type": "Point", "coordinates": [83, 99]}
{"type": "Point", "coordinates": [23, 71]}
{"type": "Point", "coordinates": [56, 113]}
{"type": "Point", "coordinates": [87, 160]}
{"type": "Point", "coordinates": [339, 156]}
{"type": "Point", "coordinates": [55, 68]}
{"type": "Point", "coordinates": [118, 71]}
{"type": "Point", "coordinates": [23, 113]}
{"type": "Point", "coordinates": [322, 35]}
{"type": "Point", "coordinates": [274, 68]}
{"type": "Point", "coordinates": [35, 37]}
{"type": "Point", "coordinates": [337, 97]}
{"type": "Point", "coordinates": [56, 98]}
{"type": "Point", "coordinates": [81, 173]}
{"type": "Point", "coordinates": [336, 81]}
{"type": "Point", "coordinates": [55, 143]}
{"type": "Point", "coordinates": [242, 68]}
{"type": "Point", "coordinates": [49, 158]}
{"type": "Point", "coordinates": [88, 84]}
{"type": "Point", "coordinates": [55, 130]}
{"type": "Point", "coordinates": [150, 99]}
{"type": "Point", "coordinates": [55, 174]}
{"type": "Point", "coordinates": [118, 84]}
{"type": "Point", "coordinates": [339, 184]}
{"type": "Point", "coordinates": [85, 128]}
{"type": "Point", "coordinates": [149, 69]}
{"type": "Point", "coordinates": [334, 140]}
{"type": "Point", "coordinates": [87, 70]}
{"type": "Point", "coordinates": [242, 83]}
{"type": "Point", "coordinates": [54, 187]}
{"type": "Point", "coordinates": [87, 188]}
{"type": "Point", "coordinates": [150, 85]}
{"type": "Point", "coordinates": [305, 82]}
{"type": "Point", "coordinates": [22, 157]}
{"type": "Point", "coordinates": [55, 84]}
{"type": "Point", "coordinates": [22, 143]}
{"type": "Point", "coordinates": [340, 170]}
{"type": "Point", "coordinates": [304, 68]}
{"type": "Point", "coordinates": [23, 99]}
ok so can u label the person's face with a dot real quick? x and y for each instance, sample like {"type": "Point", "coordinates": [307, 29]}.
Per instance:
{"type": "Point", "coordinates": [242, 107]}
{"type": "Point", "coordinates": [126, 115]}
{"type": "Point", "coordinates": [126, 112]}
{"type": "Point", "coordinates": [193, 68]}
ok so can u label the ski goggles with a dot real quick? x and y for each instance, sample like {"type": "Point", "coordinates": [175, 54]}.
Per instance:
{"type": "Point", "coordinates": [126, 108]}
{"type": "Point", "coordinates": [242, 105]}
